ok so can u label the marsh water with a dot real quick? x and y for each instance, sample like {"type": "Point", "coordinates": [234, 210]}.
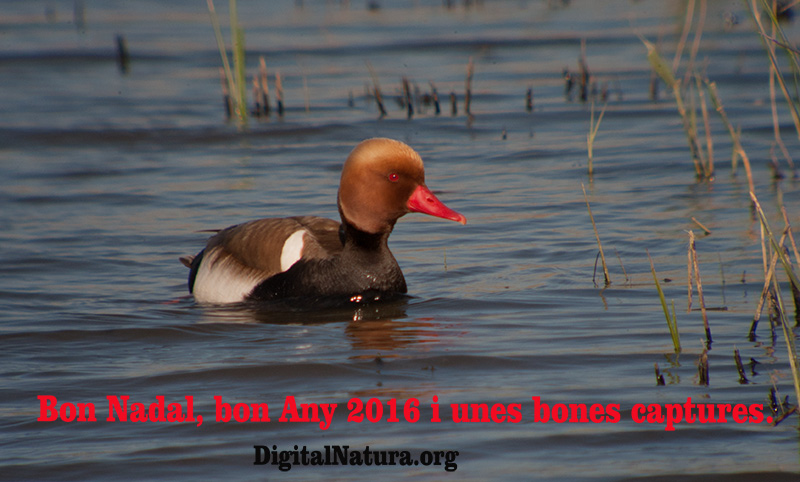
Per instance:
{"type": "Point", "coordinates": [108, 175]}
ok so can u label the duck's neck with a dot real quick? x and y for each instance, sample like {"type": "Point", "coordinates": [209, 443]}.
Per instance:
{"type": "Point", "coordinates": [369, 254]}
{"type": "Point", "coordinates": [356, 239]}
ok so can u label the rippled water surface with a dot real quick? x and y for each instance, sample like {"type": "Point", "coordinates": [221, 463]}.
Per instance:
{"type": "Point", "coordinates": [106, 178]}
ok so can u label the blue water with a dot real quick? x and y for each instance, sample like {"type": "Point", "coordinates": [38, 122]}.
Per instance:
{"type": "Point", "coordinates": [106, 178]}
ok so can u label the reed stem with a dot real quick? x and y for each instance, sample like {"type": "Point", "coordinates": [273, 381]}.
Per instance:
{"type": "Point", "coordinates": [599, 244]}
{"type": "Point", "coordinates": [672, 322]}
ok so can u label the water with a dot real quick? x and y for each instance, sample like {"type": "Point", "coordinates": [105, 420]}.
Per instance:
{"type": "Point", "coordinates": [108, 178]}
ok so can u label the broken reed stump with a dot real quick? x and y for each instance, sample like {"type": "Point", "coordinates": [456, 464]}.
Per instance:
{"type": "Point", "coordinates": [706, 231]}
{"type": "Point", "coordinates": [279, 93]}
{"type": "Point", "coordinates": [529, 99]}
{"type": "Point", "coordinates": [435, 98]}
{"type": "Point", "coordinates": [256, 97]}
{"type": "Point", "coordinates": [584, 73]}
{"type": "Point", "coordinates": [697, 279]}
{"type": "Point", "coordinates": [376, 90]}
{"type": "Point", "coordinates": [407, 98]}
{"type": "Point", "coordinates": [468, 88]}
{"type": "Point", "coordinates": [226, 95]}
{"type": "Point", "coordinates": [659, 377]}
{"type": "Point", "coordinates": [739, 367]}
{"type": "Point", "coordinates": [702, 368]}
{"type": "Point", "coordinates": [569, 83]}
{"type": "Point", "coordinates": [123, 56]}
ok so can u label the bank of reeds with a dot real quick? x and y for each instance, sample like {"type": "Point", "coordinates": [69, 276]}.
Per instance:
{"type": "Point", "coordinates": [702, 156]}
{"type": "Point", "coordinates": [776, 249]}
{"type": "Point", "coordinates": [777, 38]}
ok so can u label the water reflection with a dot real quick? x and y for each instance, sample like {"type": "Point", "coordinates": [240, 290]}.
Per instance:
{"type": "Point", "coordinates": [373, 328]}
{"type": "Point", "coordinates": [387, 335]}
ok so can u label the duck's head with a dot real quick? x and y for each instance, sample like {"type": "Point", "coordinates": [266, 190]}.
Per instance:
{"type": "Point", "coordinates": [383, 179]}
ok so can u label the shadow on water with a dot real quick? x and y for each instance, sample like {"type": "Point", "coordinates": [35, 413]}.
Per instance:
{"type": "Point", "coordinates": [296, 311]}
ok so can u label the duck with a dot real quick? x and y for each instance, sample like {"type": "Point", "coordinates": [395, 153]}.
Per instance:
{"type": "Point", "coordinates": [310, 257]}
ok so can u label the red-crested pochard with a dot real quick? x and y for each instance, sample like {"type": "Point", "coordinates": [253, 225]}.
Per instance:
{"type": "Point", "coordinates": [313, 257]}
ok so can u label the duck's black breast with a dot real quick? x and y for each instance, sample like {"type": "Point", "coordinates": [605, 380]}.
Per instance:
{"type": "Point", "coordinates": [364, 265]}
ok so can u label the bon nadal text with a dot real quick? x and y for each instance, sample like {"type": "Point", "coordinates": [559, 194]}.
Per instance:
{"type": "Point", "coordinates": [120, 408]}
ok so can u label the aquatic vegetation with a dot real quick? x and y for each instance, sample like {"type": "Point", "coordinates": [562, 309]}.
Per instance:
{"type": "Point", "coordinates": [788, 334]}
{"type": "Point", "coordinates": [593, 128]}
{"type": "Point", "coordinates": [597, 236]}
{"type": "Point", "coordinates": [234, 75]}
{"type": "Point", "coordinates": [672, 321]}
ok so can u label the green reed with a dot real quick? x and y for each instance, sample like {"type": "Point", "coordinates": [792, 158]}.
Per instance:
{"type": "Point", "coordinates": [234, 76]}
{"type": "Point", "coordinates": [672, 321]}
{"type": "Point", "coordinates": [597, 236]}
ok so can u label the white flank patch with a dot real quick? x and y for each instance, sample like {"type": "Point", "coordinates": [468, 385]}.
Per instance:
{"type": "Point", "coordinates": [292, 249]}
{"type": "Point", "coordinates": [223, 281]}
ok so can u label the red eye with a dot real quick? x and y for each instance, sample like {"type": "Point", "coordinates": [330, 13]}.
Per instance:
{"type": "Point", "coordinates": [394, 177]}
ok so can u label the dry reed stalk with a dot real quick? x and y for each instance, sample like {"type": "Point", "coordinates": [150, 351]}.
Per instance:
{"type": "Point", "coordinates": [709, 165]}
{"type": "Point", "coordinates": [407, 96]}
{"type": "Point", "coordinates": [262, 73]}
{"type": "Point", "coordinates": [735, 135]}
{"type": "Point", "coordinates": [569, 83]}
{"type": "Point", "coordinates": [769, 274]}
{"type": "Point", "coordinates": [235, 94]}
{"type": "Point", "coordinates": [698, 34]}
{"type": "Point", "coordinates": [661, 68]}
{"type": "Point", "coordinates": [584, 71]}
{"type": "Point", "coordinates": [722, 279]}
{"type": "Point", "coordinates": [624, 273]}
{"type": "Point", "coordinates": [702, 368]}
{"type": "Point", "coordinates": [237, 35]}
{"type": "Point", "coordinates": [699, 288]}
{"type": "Point", "coordinates": [376, 90]}
{"type": "Point", "coordinates": [256, 97]}
{"type": "Point", "coordinates": [597, 236]}
{"type": "Point", "coordinates": [788, 232]}
{"type": "Point", "coordinates": [747, 170]}
{"type": "Point", "coordinates": [705, 229]}
{"type": "Point", "coordinates": [279, 93]}
{"type": "Point", "coordinates": [787, 333]}
{"type": "Point", "coordinates": [689, 282]}
{"type": "Point", "coordinates": [773, 103]}
{"type": "Point", "coordinates": [593, 128]}
{"type": "Point", "coordinates": [737, 358]}
{"type": "Point", "coordinates": [687, 27]}
{"type": "Point", "coordinates": [435, 97]}
{"type": "Point", "coordinates": [766, 40]}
